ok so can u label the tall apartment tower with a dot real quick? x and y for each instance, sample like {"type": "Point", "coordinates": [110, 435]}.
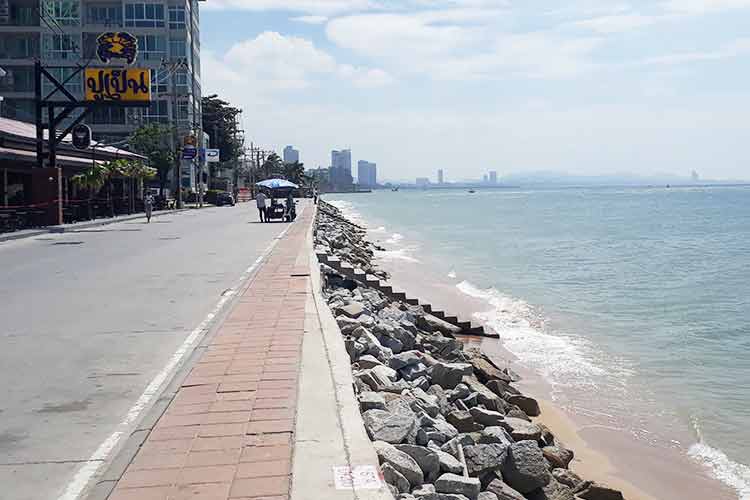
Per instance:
{"type": "Point", "coordinates": [440, 178]}
{"type": "Point", "coordinates": [291, 155]}
{"type": "Point", "coordinates": [493, 177]}
{"type": "Point", "coordinates": [62, 34]}
{"type": "Point", "coordinates": [367, 173]}
{"type": "Point", "coordinates": [341, 169]}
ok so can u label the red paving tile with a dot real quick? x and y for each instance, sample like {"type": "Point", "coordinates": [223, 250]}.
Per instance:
{"type": "Point", "coordinates": [228, 432]}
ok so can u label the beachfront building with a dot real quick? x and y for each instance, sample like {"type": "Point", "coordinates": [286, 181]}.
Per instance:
{"type": "Point", "coordinates": [291, 155]}
{"type": "Point", "coordinates": [440, 178]}
{"type": "Point", "coordinates": [422, 182]}
{"type": "Point", "coordinates": [63, 33]}
{"type": "Point", "coordinates": [493, 177]}
{"type": "Point", "coordinates": [341, 170]}
{"type": "Point", "coordinates": [367, 174]}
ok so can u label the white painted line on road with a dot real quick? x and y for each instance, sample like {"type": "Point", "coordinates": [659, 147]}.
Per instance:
{"type": "Point", "coordinates": [91, 467]}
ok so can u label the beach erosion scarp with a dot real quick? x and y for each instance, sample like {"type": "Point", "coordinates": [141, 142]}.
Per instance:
{"type": "Point", "coordinates": [446, 421]}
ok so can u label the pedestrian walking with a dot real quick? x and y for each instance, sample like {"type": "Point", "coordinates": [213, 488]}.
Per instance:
{"type": "Point", "coordinates": [148, 205]}
{"type": "Point", "coordinates": [260, 201]}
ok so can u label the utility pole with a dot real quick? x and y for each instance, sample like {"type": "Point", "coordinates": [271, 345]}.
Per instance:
{"type": "Point", "coordinates": [177, 177]}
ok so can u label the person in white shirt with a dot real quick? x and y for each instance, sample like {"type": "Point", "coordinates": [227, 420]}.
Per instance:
{"type": "Point", "coordinates": [260, 200]}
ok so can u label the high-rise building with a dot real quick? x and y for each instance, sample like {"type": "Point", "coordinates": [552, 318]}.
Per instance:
{"type": "Point", "coordinates": [65, 34]}
{"type": "Point", "coordinates": [440, 176]}
{"type": "Point", "coordinates": [367, 174]}
{"type": "Point", "coordinates": [341, 169]}
{"type": "Point", "coordinates": [493, 177]}
{"type": "Point", "coordinates": [484, 179]}
{"type": "Point", "coordinates": [291, 155]}
{"type": "Point", "coordinates": [422, 182]}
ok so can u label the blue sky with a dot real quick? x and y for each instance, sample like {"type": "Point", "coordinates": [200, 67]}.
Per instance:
{"type": "Point", "coordinates": [585, 87]}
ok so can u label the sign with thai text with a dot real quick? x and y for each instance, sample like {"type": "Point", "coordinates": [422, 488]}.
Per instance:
{"type": "Point", "coordinates": [118, 85]}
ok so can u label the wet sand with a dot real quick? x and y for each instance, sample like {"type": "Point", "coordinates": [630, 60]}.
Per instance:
{"type": "Point", "coordinates": [607, 455]}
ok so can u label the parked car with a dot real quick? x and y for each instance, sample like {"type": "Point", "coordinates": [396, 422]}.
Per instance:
{"type": "Point", "coordinates": [224, 198]}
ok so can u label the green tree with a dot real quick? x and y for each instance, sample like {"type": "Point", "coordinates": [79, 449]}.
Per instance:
{"type": "Point", "coordinates": [153, 140]}
{"type": "Point", "coordinates": [295, 172]}
{"type": "Point", "coordinates": [220, 121]}
{"type": "Point", "coordinates": [271, 167]}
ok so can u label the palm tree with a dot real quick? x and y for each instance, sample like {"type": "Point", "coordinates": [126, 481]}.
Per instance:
{"type": "Point", "coordinates": [271, 166]}
{"type": "Point", "coordinates": [136, 172]}
{"type": "Point", "coordinates": [92, 179]}
{"type": "Point", "coordinates": [295, 172]}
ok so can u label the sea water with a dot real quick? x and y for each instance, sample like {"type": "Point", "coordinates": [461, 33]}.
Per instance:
{"type": "Point", "coordinates": [632, 303]}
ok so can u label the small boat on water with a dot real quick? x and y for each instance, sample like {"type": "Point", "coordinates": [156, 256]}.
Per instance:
{"type": "Point", "coordinates": [471, 191]}
{"type": "Point", "coordinates": [394, 189]}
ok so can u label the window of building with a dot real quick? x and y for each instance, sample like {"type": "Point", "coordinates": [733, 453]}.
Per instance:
{"type": "Point", "coordinates": [177, 17]}
{"type": "Point", "coordinates": [23, 16]}
{"type": "Point", "coordinates": [74, 86]}
{"type": "Point", "coordinates": [107, 115]}
{"type": "Point", "coordinates": [18, 79]}
{"type": "Point", "coordinates": [152, 47]}
{"type": "Point", "coordinates": [181, 80]}
{"type": "Point", "coordinates": [108, 15]}
{"type": "Point", "coordinates": [18, 109]}
{"type": "Point", "coordinates": [158, 111]}
{"type": "Point", "coordinates": [183, 110]}
{"type": "Point", "coordinates": [177, 49]}
{"type": "Point", "coordinates": [64, 12]}
{"type": "Point", "coordinates": [19, 46]}
{"type": "Point", "coordinates": [144, 15]}
{"type": "Point", "coordinates": [158, 81]}
{"type": "Point", "coordinates": [60, 46]}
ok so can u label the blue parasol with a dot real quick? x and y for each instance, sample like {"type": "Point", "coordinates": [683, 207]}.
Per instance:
{"type": "Point", "coordinates": [277, 184]}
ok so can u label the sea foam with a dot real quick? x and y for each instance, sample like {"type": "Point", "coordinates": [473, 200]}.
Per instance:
{"type": "Point", "coordinates": [731, 473]}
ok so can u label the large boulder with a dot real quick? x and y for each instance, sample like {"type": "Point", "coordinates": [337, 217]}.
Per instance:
{"type": "Point", "coordinates": [389, 427]}
{"type": "Point", "coordinates": [385, 372]}
{"type": "Point", "coordinates": [557, 456]}
{"type": "Point", "coordinates": [463, 421]}
{"type": "Point", "coordinates": [442, 398]}
{"type": "Point", "coordinates": [426, 458]}
{"type": "Point", "coordinates": [503, 491]}
{"type": "Point", "coordinates": [425, 492]}
{"type": "Point", "coordinates": [600, 492]}
{"type": "Point", "coordinates": [353, 310]}
{"type": "Point", "coordinates": [368, 361]}
{"type": "Point", "coordinates": [486, 495]}
{"type": "Point", "coordinates": [568, 478]}
{"type": "Point", "coordinates": [487, 371]}
{"type": "Point", "coordinates": [405, 359]}
{"type": "Point", "coordinates": [521, 430]}
{"type": "Point", "coordinates": [525, 468]}
{"type": "Point", "coordinates": [371, 401]}
{"type": "Point", "coordinates": [403, 463]}
{"type": "Point", "coordinates": [494, 434]}
{"type": "Point", "coordinates": [449, 375]}
{"type": "Point", "coordinates": [395, 478]}
{"type": "Point", "coordinates": [452, 445]}
{"type": "Point", "coordinates": [459, 485]}
{"type": "Point", "coordinates": [346, 324]}
{"type": "Point", "coordinates": [430, 323]}
{"type": "Point", "coordinates": [529, 405]}
{"type": "Point", "coordinates": [486, 417]}
{"type": "Point", "coordinates": [481, 458]}
{"type": "Point", "coordinates": [448, 463]}
{"type": "Point", "coordinates": [486, 397]}
{"type": "Point", "coordinates": [552, 491]}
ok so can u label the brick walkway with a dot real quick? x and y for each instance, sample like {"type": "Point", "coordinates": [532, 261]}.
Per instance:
{"type": "Point", "coordinates": [228, 433]}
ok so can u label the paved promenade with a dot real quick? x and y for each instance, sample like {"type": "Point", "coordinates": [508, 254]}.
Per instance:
{"type": "Point", "coordinates": [229, 431]}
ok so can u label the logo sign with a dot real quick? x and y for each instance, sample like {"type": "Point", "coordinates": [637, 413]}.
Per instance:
{"type": "Point", "coordinates": [212, 156]}
{"type": "Point", "coordinates": [189, 152]}
{"type": "Point", "coordinates": [118, 85]}
{"type": "Point", "coordinates": [81, 136]}
{"type": "Point", "coordinates": [116, 45]}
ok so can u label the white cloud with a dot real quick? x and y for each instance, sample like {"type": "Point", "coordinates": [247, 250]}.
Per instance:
{"type": "Point", "coordinates": [734, 49]}
{"type": "Point", "coordinates": [703, 6]}
{"type": "Point", "coordinates": [320, 7]}
{"type": "Point", "coordinates": [310, 19]}
{"type": "Point", "coordinates": [272, 61]}
{"type": "Point", "coordinates": [617, 23]}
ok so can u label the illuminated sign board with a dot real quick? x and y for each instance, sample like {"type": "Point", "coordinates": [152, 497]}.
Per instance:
{"type": "Point", "coordinates": [118, 85]}
{"type": "Point", "coordinates": [116, 45]}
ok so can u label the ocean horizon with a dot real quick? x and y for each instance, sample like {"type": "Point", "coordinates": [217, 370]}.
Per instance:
{"type": "Point", "coordinates": [630, 303]}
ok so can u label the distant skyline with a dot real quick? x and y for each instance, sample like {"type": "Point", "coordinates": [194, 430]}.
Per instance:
{"type": "Point", "coordinates": [584, 87]}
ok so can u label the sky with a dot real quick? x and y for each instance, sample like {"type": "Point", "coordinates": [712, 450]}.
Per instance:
{"type": "Point", "coordinates": [586, 87]}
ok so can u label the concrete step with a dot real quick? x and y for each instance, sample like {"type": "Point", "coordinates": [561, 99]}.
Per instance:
{"type": "Point", "coordinates": [453, 320]}
{"type": "Point", "coordinates": [412, 302]}
{"type": "Point", "coordinates": [399, 295]}
{"type": "Point", "coordinates": [386, 289]}
{"type": "Point", "coordinates": [427, 308]}
{"type": "Point", "coordinates": [372, 280]}
{"type": "Point", "coordinates": [360, 273]}
{"type": "Point", "coordinates": [464, 325]}
{"type": "Point", "coordinates": [438, 314]}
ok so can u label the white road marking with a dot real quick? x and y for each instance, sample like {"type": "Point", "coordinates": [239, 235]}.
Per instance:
{"type": "Point", "coordinates": [102, 454]}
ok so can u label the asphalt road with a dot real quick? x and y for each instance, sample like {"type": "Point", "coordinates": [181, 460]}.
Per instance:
{"type": "Point", "coordinates": [89, 318]}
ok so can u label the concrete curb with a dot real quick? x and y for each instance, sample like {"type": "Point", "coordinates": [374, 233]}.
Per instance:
{"type": "Point", "coordinates": [329, 430]}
